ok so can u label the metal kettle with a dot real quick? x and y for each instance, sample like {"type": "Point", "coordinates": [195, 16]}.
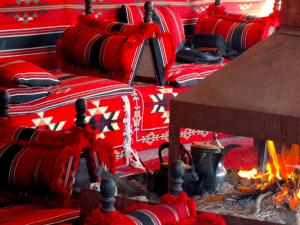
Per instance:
{"type": "Point", "coordinates": [209, 165]}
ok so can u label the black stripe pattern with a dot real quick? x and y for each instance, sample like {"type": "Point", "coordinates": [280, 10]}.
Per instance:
{"type": "Point", "coordinates": [7, 155]}
{"type": "Point", "coordinates": [142, 217]}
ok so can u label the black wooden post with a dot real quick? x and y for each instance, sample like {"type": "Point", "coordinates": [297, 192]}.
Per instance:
{"type": "Point", "coordinates": [80, 106]}
{"type": "Point", "coordinates": [108, 190]}
{"type": "Point", "coordinates": [88, 7]}
{"type": "Point", "coordinates": [148, 12]}
{"type": "Point", "coordinates": [177, 173]}
{"type": "Point", "coordinates": [218, 2]}
{"type": "Point", "coordinates": [4, 101]}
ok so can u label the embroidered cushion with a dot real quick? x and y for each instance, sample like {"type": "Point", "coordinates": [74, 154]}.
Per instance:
{"type": "Point", "coordinates": [24, 73]}
{"type": "Point", "coordinates": [113, 54]}
{"type": "Point", "coordinates": [24, 95]}
{"type": "Point", "coordinates": [240, 35]}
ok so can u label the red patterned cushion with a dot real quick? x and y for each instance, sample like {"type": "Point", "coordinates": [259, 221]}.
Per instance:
{"type": "Point", "coordinates": [166, 17]}
{"type": "Point", "coordinates": [115, 55]}
{"type": "Point", "coordinates": [36, 214]}
{"type": "Point", "coordinates": [39, 168]}
{"type": "Point", "coordinates": [239, 35]}
{"type": "Point", "coordinates": [131, 14]}
{"type": "Point", "coordinates": [24, 95]}
{"type": "Point", "coordinates": [31, 136]}
{"type": "Point", "coordinates": [181, 75]}
{"type": "Point", "coordinates": [26, 74]}
{"type": "Point", "coordinates": [169, 21]}
{"type": "Point", "coordinates": [106, 25]}
{"type": "Point", "coordinates": [171, 210]}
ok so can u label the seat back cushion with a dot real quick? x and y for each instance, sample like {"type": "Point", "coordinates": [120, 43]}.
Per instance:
{"type": "Point", "coordinates": [239, 35]}
{"type": "Point", "coordinates": [169, 21]}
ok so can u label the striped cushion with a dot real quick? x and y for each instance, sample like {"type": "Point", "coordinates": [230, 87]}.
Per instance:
{"type": "Point", "coordinates": [181, 75]}
{"type": "Point", "coordinates": [39, 161]}
{"type": "Point", "coordinates": [240, 35]}
{"type": "Point", "coordinates": [24, 95]}
{"type": "Point", "coordinates": [38, 169]}
{"type": "Point", "coordinates": [131, 14]}
{"type": "Point", "coordinates": [30, 136]}
{"type": "Point", "coordinates": [106, 25]}
{"type": "Point", "coordinates": [169, 21]}
{"type": "Point", "coordinates": [115, 55]}
{"type": "Point", "coordinates": [160, 214]}
{"type": "Point", "coordinates": [23, 73]}
{"type": "Point", "coordinates": [35, 214]}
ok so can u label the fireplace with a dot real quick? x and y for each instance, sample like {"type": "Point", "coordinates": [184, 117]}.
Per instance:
{"type": "Point", "coordinates": [255, 96]}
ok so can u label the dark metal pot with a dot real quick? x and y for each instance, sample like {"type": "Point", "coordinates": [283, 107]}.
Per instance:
{"type": "Point", "coordinates": [209, 165]}
{"type": "Point", "coordinates": [159, 181]}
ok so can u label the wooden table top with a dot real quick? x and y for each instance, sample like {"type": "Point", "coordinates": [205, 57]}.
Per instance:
{"type": "Point", "coordinates": [256, 95]}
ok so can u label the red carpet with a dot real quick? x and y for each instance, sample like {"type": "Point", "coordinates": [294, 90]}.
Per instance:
{"type": "Point", "coordinates": [244, 157]}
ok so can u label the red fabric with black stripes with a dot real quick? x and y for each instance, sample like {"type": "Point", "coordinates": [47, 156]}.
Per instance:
{"type": "Point", "coordinates": [23, 214]}
{"type": "Point", "coordinates": [171, 210]}
{"type": "Point", "coordinates": [92, 48]}
{"type": "Point", "coordinates": [131, 14]}
{"type": "Point", "coordinates": [181, 75]}
{"type": "Point", "coordinates": [39, 168]}
{"type": "Point", "coordinates": [24, 73]}
{"type": "Point", "coordinates": [147, 30]}
{"type": "Point", "coordinates": [170, 21]}
{"type": "Point", "coordinates": [166, 17]}
{"type": "Point", "coordinates": [240, 36]}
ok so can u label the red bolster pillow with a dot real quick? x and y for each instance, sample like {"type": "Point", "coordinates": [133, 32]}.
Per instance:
{"type": "Point", "coordinates": [114, 54]}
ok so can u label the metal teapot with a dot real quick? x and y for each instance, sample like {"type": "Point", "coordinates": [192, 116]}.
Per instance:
{"type": "Point", "coordinates": [209, 165]}
{"type": "Point", "coordinates": [159, 181]}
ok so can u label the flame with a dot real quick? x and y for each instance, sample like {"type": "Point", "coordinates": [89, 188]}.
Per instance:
{"type": "Point", "coordinates": [281, 173]}
{"type": "Point", "coordinates": [298, 194]}
{"type": "Point", "coordinates": [273, 155]}
{"type": "Point", "coordinates": [251, 174]}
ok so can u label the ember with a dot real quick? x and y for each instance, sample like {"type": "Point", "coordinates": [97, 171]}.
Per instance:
{"type": "Point", "coordinates": [282, 172]}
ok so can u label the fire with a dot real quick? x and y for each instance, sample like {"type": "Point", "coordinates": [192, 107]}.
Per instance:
{"type": "Point", "coordinates": [282, 173]}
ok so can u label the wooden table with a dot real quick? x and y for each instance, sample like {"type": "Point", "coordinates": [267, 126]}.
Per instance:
{"type": "Point", "coordinates": [256, 95]}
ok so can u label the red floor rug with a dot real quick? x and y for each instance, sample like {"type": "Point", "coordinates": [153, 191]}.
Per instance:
{"type": "Point", "coordinates": [244, 157]}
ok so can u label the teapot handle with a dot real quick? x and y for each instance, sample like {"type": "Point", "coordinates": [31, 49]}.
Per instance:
{"type": "Point", "coordinates": [165, 146]}
{"type": "Point", "coordinates": [186, 152]}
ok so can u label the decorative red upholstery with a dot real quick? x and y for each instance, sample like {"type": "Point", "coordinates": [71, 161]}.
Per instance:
{"type": "Point", "coordinates": [169, 21]}
{"type": "Point", "coordinates": [23, 73]}
{"type": "Point", "coordinates": [131, 14]}
{"type": "Point", "coordinates": [92, 48]}
{"type": "Point", "coordinates": [181, 75]}
{"type": "Point", "coordinates": [166, 17]}
{"type": "Point", "coordinates": [36, 214]}
{"type": "Point", "coordinates": [24, 95]}
{"type": "Point", "coordinates": [172, 210]}
{"type": "Point", "coordinates": [240, 35]}
{"type": "Point", "coordinates": [41, 161]}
